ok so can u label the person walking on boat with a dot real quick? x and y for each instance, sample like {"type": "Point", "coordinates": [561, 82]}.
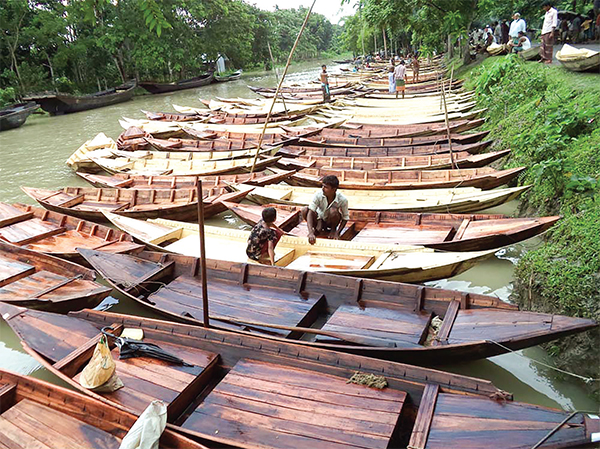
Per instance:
{"type": "Point", "coordinates": [264, 237]}
{"type": "Point", "coordinates": [391, 79]}
{"type": "Point", "coordinates": [400, 76]}
{"type": "Point", "coordinates": [415, 68]}
{"type": "Point", "coordinates": [327, 213]}
{"type": "Point", "coordinates": [325, 84]}
{"type": "Point", "coordinates": [548, 30]}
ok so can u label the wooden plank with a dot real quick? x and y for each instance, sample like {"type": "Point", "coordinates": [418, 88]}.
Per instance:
{"type": "Point", "coordinates": [461, 229]}
{"type": "Point", "coordinates": [11, 271]}
{"type": "Point", "coordinates": [14, 436]}
{"type": "Point", "coordinates": [7, 396]}
{"type": "Point", "coordinates": [449, 317]}
{"type": "Point", "coordinates": [10, 215]}
{"type": "Point", "coordinates": [420, 433]}
{"type": "Point", "coordinates": [70, 202]}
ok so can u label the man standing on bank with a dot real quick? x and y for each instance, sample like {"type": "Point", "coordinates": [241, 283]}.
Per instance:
{"type": "Point", "coordinates": [327, 213]}
{"type": "Point", "coordinates": [550, 23]}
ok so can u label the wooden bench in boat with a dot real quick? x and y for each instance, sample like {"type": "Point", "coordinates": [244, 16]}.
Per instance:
{"type": "Point", "coordinates": [31, 425]}
{"type": "Point", "coordinates": [259, 404]}
{"type": "Point", "coordinates": [311, 261]}
{"type": "Point", "coordinates": [10, 215]}
{"type": "Point", "coordinates": [236, 302]}
{"type": "Point", "coordinates": [377, 326]}
{"type": "Point", "coordinates": [375, 233]}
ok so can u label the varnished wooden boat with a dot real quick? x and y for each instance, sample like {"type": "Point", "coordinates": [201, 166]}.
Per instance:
{"type": "Point", "coordinates": [88, 203]}
{"type": "Point", "coordinates": [384, 131]}
{"type": "Point", "coordinates": [448, 232]}
{"type": "Point", "coordinates": [190, 83]}
{"type": "Point", "coordinates": [101, 143]}
{"type": "Point", "coordinates": [246, 391]}
{"type": "Point", "coordinates": [216, 145]}
{"type": "Point", "coordinates": [58, 235]}
{"type": "Point", "coordinates": [38, 414]}
{"type": "Point", "coordinates": [376, 261]}
{"type": "Point", "coordinates": [14, 116]}
{"type": "Point", "coordinates": [58, 104]}
{"type": "Point", "coordinates": [578, 59]}
{"type": "Point", "coordinates": [125, 181]}
{"type": "Point", "coordinates": [360, 317]}
{"type": "Point", "coordinates": [461, 159]}
{"type": "Point", "coordinates": [484, 178]}
{"type": "Point", "coordinates": [36, 280]}
{"type": "Point", "coordinates": [218, 118]}
{"type": "Point", "coordinates": [457, 200]}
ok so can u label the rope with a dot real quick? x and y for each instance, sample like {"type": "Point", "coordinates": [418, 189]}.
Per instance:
{"type": "Point", "coordinates": [557, 428]}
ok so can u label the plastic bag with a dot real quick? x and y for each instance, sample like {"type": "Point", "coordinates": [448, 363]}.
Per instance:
{"type": "Point", "coordinates": [146, 431]}
{"type": "Point", "coordinates": [99, 375]}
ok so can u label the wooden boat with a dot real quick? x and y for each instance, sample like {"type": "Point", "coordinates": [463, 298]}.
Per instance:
{"type": "Point", "coordinates": [58, 104]}
{"type": "Point", "coordinates": [15, 115]}
{"type": "Point", "coordinates": [176, 167]}
{"type": "Point", "coordinates": [392, 322]}
{"type": "Point", "coordinates": [231, 77]}
{"type": "Point", "coordinates": [376, 261]}
{"type": "Point", "coordinates": [58, 235]}
{"type": "Point", "coordinates": [79, 159]}
{"type": "Point", "coordinates": [448, 232]}
{"type": "Point", "coordinates": [217, 145]}
{"type": "Point", "coordinates": [484, 178]}
{"type": "Point", "coordinates": [378, 151]}
{"type": "Point", "coordinates": [498, 49]}
{"type": "Point", "coordinates": [245, 391]}
{"type": "Point", "coordinates": [125, 181]}
{"type": "Point", "coordinates": [38, 281]}
{"type": "Point", "coordinates": [88, 203]}
{"type": "Point", "coordinates": [578, 59]}
{"type": "Point", "coordinates": [219, 118]}
{"type": "Point", "coordinates": [190, 83]}
{"type": "Point", "coordinates": [461, 159]}
{"type": "Point", "coordinates": [38, 414]}
{"type": "Point", "coordinates": [531, 54]}
{"type": "Point", "coordinates": [457, 200]}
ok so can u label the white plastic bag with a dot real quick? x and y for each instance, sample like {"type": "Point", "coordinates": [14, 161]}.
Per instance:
{"type": "Point", "coordinates": [146, 431]}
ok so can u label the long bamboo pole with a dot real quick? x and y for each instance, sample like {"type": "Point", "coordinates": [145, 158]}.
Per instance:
{"type": "Point", "coordinates": [452, 162]}
{"type": "Point", "coordinates": [202, 252]}
{"type": "Point", "coordinates": [276, 76]}
{"type": "Point", "coordinates": [262, 135]}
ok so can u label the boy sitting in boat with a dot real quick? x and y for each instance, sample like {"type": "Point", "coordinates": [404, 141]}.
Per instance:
{"type": "Point", "coordinates": [327, 213]}
{"type": "Point", "coordinates": [264, 237]}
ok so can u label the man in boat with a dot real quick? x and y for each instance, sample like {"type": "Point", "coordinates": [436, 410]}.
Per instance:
{"type": "Point", "coordinates": [400, 76]}
{"type": "Point", "coordinates": [325, 84]}
{"type": "Point", "coordinates": [327, 213]}
{"type": "Point", "coordinates": [548, 29]}
{"type": "Point", "coordinates": [264, 237]}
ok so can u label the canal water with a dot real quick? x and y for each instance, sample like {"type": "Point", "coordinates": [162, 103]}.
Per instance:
{"type": "Point", "coordinates": [34, 155]}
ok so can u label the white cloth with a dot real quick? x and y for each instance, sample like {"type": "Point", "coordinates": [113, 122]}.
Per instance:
{"type": "Point", "coordinates": [550, 20]}
{"type": "Point", "coordinates": [392, 83]}
{"type": "Point", "coordinates": [146, 431]}
{"type": "Point", "coordinates": [399, 72]}
{"type": "Point", "coordinates": [516, 26]}
{"type": "Point", "coordinates": [320, 206]}
{"type": "Point", "coordinates": [526, 43]}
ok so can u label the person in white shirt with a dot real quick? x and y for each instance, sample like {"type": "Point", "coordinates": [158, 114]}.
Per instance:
{"type": "Point", "coordinates": [516, 25]}
{"type": "Point", "coordinates": [548, 30]}
{"type": "Point", "coordinates": [327, 213]}
{"type": "Point", "coordinates": [523, 43]}
{"type": "Point", "coordinates": [400, 77]}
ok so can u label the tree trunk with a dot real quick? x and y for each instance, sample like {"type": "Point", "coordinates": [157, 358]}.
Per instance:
{"type": "Point", "coordinates": [375, 41]}
{"type": "Point", "coordinates": [51, 70]}
{"type": "Point", "coordinates": [450, 48]}
{"type": "Point", "coordinates": [385, 52]}
{"type": "Point", "coordinates": [119, 68]}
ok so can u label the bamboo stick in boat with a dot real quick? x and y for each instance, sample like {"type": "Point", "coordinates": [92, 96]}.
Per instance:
{"type": "Point", "coordinates": [202, 251]}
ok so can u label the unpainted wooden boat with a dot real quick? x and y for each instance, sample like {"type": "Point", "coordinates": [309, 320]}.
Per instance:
{"type": "Point", "coordinates": [531, 54]}
{"type": "Point", "coordinates": [38, 414]}
{"type": "Point", "coordinates": [219, 118]}
{"type": "Point", "coordinates": [368, 260]}
{"type": "Point", "coordinates": [448, 232]}
{"type": "Point", "coordinates": [484, 178]}
{"type": "Point", "coordinates": [36, 280]}
{"type": "Point", "coordinates": [190, 83]}
{"type": "Point", "coordinates": [461, 159]}
{"type": "Point", "coordinates": [217, 145]}
{"type": "Point", "coordinates": [57, 234]}
{"type": "Point", "coordinates": [88, 203]}
{"type": "Point", "coordinates": [14, 116]}
{"type": "Point", "coordinates": [101, 143]}
{"type": "Point", "coordinates": [245, 391]}
{"type": "Point", "coordinates": [457, 200]}
{"type": "Point", "coordinates": [58, 104]}
{"type": "Point", "coordinates": [231, 77]}
{"type": "Point", "coordinates": [578, 59]}
{"type": "Point", "coordinates": [126, 181]}
{"type": "Point", "coordinates": [498, 49]}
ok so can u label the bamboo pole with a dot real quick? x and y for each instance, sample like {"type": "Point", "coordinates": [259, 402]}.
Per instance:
{"type": "Point", "coordinates": [287, 65]}
{"type": "Point", "coordinates": [202, 252]}
{"type": "Point", "coordinates": [452, 162]}
{"type": "Point", "coordinates": [277, 76]}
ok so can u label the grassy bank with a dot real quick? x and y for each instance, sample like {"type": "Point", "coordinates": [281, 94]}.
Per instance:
{"type": "Point", "coordinates": [550, 118]}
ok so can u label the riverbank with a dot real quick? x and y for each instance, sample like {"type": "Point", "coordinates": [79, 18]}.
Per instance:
{"type": "Point", "coordinates": [550, 118]}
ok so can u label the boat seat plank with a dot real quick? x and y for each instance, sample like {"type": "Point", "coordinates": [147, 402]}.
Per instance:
{"type": "Point", "coordinates": [68, 241]}
{"type": "Point", "coordinates": [95, 206]}
{"type": "Point", "coordinates": [447, 324]}
{"type": "Point", "coordinates": [311, 261]}
{"type": "Point", "coordinates": [262, 404]}
{"type": "Point", "coordinates": [406, 235]}
{"type": "Point", "coordinates": [10, 214]}
{"type": "Point", "coordinates": [29, 231]}
{"type": "Point", "coordinates": [302, 230]}
{"type": "Point", "coordinates": [56, 429]}
{"type": "Point", "coordinates": [418, 438]}
{"type": "Point", "coordinates": [402, 328]}
{"type": "Point", "coordinates": [46, 286]}
{"type": "Point", "coordinates": [235, 302]}
{"type": "Point", "coordinates": [57, 198]}
{"type": "Point", "coordinates": [484, 422]}
{"type": "Point", "coordinates": [11, 270]}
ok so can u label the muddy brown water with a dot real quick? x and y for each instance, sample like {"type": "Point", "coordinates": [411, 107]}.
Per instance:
{"type": "Point", "coordinates": [35, 154]}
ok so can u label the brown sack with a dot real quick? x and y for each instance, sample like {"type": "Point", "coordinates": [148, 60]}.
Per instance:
{"type": "Point", "coordinates": [99, 374]}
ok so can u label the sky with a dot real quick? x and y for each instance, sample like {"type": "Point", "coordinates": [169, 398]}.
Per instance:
{"type": "Point", "coordinates": [331, 9]}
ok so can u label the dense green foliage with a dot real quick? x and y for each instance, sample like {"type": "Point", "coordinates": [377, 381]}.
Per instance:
{"type": "Point", "coordinates": [81, 45]}
{"type": "Point", "coordinates": [550, 118]}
